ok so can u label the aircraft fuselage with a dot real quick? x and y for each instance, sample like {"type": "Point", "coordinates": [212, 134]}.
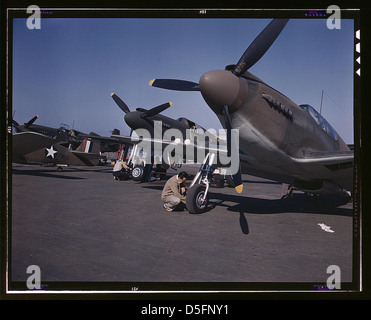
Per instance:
{"type": "Point", "coordinates": [273, 130]}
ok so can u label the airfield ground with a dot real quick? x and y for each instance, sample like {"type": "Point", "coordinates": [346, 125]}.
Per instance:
{"type": "Point", "coordinates": [80, 225]}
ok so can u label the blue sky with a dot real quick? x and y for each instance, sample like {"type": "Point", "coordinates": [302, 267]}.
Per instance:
{"type": "Point", "coordinates": [66, 71]}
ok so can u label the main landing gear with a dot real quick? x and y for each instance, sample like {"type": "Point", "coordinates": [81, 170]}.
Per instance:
{"type": "Point", "coordinates": [138, 172]}
{"type": "Point", "coordinates": [197, 194]}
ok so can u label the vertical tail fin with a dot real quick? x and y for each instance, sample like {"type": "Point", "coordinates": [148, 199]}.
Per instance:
{"type": "Point", "coordinates": [89, 146]}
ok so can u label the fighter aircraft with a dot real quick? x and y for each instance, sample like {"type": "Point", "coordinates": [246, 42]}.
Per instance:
{"type": "Point", "coordinates": [59, 147]}
{"type": "Point", "coordinates": [61, 134]}
{"type": "Point", "coordinates": [278, 139]}
{"type": "Point", "coordinates": [144, 119]}
{"type": "Point", "coordinates": [32, 147]}
{"type": "Point", "coordinates": [69, 138]}
{"type": "Point", "coordinates": [24, 143]}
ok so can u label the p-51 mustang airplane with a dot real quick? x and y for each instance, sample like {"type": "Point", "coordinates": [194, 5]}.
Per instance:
{"type": "Point", "coordinates": [148, 120]}
{"type": "Point", "coordinates": [278, 139]}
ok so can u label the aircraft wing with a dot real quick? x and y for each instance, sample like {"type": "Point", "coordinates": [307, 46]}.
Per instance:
{"type": "Point", "coordinates": [135, 140]}
{"type": "Point", "coordinates": [112, 139]}
{"type": "Point", "coordinates": [165, 143]}
{"type": "Point", "coordinates": [335, 160]}
{"type": "Point", "coordinates": [26, 142]}
{"type": "Point", "coordinates": [123, 139]}
{"type": "Point", "coordinates": [100, 138]}
{"type": "Point", "coordinates": [118, 139]}
{"type": "Point", "coordinates": [334, 166]}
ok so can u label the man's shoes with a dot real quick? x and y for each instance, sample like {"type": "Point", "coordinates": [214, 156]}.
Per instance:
{"type": "Point", "coordinates": [167, 209]}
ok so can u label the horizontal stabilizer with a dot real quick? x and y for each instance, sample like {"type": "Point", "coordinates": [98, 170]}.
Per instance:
{"type": "Point", "coordinates": [89, 159]}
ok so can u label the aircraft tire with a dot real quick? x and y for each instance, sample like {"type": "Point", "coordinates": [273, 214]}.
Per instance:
{"type": "Point", "coordinates": [194, 199]}
{"type": "Point", "coordinates": [137, 173]}
{"type": "Point", "coordinates": [229, 181]}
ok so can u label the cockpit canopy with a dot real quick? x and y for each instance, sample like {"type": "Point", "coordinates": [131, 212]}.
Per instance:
{"type": "Point", "coordinates": [321, 121]}
{"type": "Point", "coordinates": [192, 125]}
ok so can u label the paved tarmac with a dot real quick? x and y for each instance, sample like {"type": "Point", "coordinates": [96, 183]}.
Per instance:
{"type": "Point", "coordinates": [80, 225]}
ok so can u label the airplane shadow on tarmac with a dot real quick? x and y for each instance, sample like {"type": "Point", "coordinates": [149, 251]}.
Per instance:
{"type": "Point", "coordinates": [44, 173]}
{"type": "Point", "coordinates": [300, 204]}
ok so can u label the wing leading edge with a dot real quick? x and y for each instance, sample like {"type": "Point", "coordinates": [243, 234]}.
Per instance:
{"type": "Point", "coordinates": [335, 167]}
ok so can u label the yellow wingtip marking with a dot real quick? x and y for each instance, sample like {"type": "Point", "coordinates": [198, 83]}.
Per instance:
{"type": "Point", "coordinates": [170, 104]}
{"type": "Point", "coordinates": [151, 82]}
{"type": "Point", "coordinates": [112, 94]}
{"type": "Point", "coordinates": [239, 188]}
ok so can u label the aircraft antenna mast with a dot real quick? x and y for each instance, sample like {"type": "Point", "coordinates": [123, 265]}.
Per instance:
{"type": "Point", "coordinates": [320, 110]}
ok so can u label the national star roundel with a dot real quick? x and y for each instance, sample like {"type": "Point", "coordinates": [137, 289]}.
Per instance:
{"type": "Point", "coordinates": [50, 152]}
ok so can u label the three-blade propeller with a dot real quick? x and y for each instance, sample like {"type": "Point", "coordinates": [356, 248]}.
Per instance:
{"type": "Point", "coordinates": [146, 113]}
{"type": "Point", "coordinates": [252, 55]}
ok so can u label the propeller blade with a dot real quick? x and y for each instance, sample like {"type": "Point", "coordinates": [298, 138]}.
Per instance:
{"type": "Point", "coordinates": [259, 46]}
{"type": "Point", "coordinates": [172, 84]}
{"type": "Point", "coordinates": [156, 110]}
{"type": "Point", "coordinates": [120, 103]}
{"type": "Point", "coordinates": [15, 125]}
{"type": "Point", "coordinates": [26, 125]}
{"type": "Point", "coordinates": [228, 126]}
{"type": "Point", "coordinates": [237, 181]}
{"type": "Point", "coordinates": [237, 177]}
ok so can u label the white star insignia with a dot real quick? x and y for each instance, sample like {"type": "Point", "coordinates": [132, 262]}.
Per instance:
{"type": "Point", "coordinates": [51, 152]}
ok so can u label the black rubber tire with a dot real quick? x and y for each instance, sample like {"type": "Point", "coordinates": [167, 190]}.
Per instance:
{"type": "Point", "coordinates": [137, 173]}
{"type": "Point", "coordinates": [229, 181]}
{"type": "Point", "coordinates": [194, 194]}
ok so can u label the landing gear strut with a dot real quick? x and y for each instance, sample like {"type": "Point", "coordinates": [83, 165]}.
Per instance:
{"type": "Point", "coordinates": [197, 195]}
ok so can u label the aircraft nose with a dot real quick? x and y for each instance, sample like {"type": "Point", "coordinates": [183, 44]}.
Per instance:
{"type": "Point", "coordinates": [221, 88]}
{"type": "Point", "coordinates": [131, 120]}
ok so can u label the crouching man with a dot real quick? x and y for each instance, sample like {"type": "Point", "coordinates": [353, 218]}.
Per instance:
{"type": "Point", "coordinates": [121, 171]}
{"type": "Point", "coordinates": [174, 192]}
